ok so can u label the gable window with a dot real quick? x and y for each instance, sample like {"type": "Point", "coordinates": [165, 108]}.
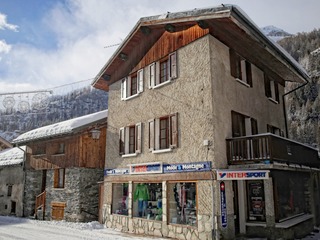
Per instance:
{"type": "Point", "coordinates": [132, 85]}
{"type": "Point", "coordinates": [163, 133]}
{"type": "Point", "coordinates": [59, 177]}
{"type": "Point", "coordinates": [163, 71]}
{"type": "Point", "coordinates": [271, 89]}
{"type": "Point", "coordinates": [240, 69]}
{"type": "Point", "coordinates": [130, 140]}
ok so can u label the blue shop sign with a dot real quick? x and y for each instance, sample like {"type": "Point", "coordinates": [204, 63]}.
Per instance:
{"type": "Point", "coordinates": [187, 167]}
{"type": "Point", "coordinates": [118, 171]}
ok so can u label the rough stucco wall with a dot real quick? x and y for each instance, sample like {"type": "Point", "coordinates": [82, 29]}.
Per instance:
{"type": "Point", "coordinates": [188, 95]}
{"type": "Point", "coordinates": [11, 175]}
{"type": "Point", "coordinates": [228, 95]}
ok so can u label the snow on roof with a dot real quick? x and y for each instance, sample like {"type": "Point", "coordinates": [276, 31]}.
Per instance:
{"type": "Point", "coordinates": [12, 156]}
{"type": "Point", "coordinates": [60, 128]}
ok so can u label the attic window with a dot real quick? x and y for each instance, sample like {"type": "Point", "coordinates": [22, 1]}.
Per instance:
{"type": "Point", "coordinates": [132, 85]}
{"type": "Point", "coordinates": [240, 68]}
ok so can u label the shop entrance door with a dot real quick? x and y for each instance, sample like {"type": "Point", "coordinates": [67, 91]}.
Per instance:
{"type": "Point", "coordinates": [236, 207]}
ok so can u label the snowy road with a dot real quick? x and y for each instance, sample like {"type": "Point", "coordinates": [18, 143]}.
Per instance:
{"type": "Point", "coordinates": [26, 229]}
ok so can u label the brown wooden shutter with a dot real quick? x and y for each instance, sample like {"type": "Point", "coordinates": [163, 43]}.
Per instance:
{"type": "Point", "coordinates": [121, 141]}
{"type": "Point", "coordinates": [56, 178]}
{"type": "Point", "coordinates": [151, 135]}
{"type": "Point", "coordinates": [138, 137]}
{"type": "Point", "coordinates": [276, 91]}
{"type": "Point", "coordinates": [254, 126]}
{"type": "Point", "coordinates": [267, 86]}
{"type": "Point", "coordinates": [173, 65]}
{"type": "Point", "coordinates": [249, 73]}
{"type": "Point", "coordinates": [174, 130]}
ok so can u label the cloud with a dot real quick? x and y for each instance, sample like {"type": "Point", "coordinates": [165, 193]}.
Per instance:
{"type": "Point", "coordinates": [4, 47]}
{"type": "Point", "coordinates": [4, 25]}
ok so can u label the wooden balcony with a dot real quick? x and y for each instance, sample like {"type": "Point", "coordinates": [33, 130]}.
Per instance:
{"type": "Point", "coordinates": [268, 148]}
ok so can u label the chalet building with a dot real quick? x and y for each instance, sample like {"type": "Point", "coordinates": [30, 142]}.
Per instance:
{"type": "Point", "coordinates": [4, 144]}
{"type": "Point", "coordinates": [196, 145]}
{"type": "Point", "coordinates": [64, 165]}
{"type": "Point", "coordinates": [11, 181]}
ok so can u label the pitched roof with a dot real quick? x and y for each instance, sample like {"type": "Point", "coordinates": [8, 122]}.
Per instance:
{"type": "Point", "coordinates": [228, 23]}
{"type": "Point", "coordinates": [12, 156]}
{"type": "Point", "coordinates": [62, 128]}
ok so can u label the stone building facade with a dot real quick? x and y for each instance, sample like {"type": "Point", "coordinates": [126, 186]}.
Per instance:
{"type": "Point", "coordinates": [195, 142]}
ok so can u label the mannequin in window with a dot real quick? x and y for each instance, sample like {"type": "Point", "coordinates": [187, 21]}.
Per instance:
{"type": "Point", "coordinates": [142, 195]}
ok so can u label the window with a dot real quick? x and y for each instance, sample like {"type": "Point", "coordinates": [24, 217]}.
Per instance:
{"type": "Point", "coordinates": [240, 68]}
{"type": "Point", "coordinates": [274, 130]}
{"type": "Point", "coordinates": [147, 200]}
{"type": "Point", "coordinates": [59, 148]}
{"type": "Point", "coordinates": [256, 201]}
{"type": "Point", "coordinates": [40, 149]}
{"type": "Point", "coordinates": [59, 177]}
{"type": "Point", "coordinates": [163, 133]}
{"type": "Point", "coordinates": [292, 197]}
{"type": "Point", "coordinates": [182, 201]}
{"type": "Point", "coordinates": [163, 71]}
{"type": "Point", "coordinates": [130, 140]}
{"type": "Point", "coordinates": [271, 89]}
{"type": "Point", "coordinates": [9, 193]}
{"type": "Point", "coordinates": [120, 198]}
{"type": "Point", "coordinates": [243, 125]}
{"type": "Point", "coordinates": [132, 85]}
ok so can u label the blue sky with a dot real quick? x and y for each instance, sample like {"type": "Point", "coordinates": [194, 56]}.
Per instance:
{"type": "Point", "coordinates": [47, 43]}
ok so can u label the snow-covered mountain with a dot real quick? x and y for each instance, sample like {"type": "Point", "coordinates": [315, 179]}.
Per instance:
{"type": "Point", "coordinates": [275, 33]}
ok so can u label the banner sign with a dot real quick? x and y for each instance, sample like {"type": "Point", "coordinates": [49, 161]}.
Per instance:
{"type": "Point", "coordinates": [223, 203]}
{"type": "Point", "coordinates": [146, 168]}
{"type": "Point", "coordinates": [117, 171]}
{"type": "Point", "coordinates": [242, 174]}
{"type": "Point", "coordinates": [187, 167]}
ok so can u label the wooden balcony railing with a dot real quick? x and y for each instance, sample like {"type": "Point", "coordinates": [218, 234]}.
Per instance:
{"type": "Point", "coordinates": [40, 202]}
{"type": "Point", "coordinates": [267, 148]}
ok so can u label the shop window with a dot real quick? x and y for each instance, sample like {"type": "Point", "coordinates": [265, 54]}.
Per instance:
{"type": "Point", "coordinates": [147, 200]}
{"type": "Point", "coordinates": [271, 89]}
{"type": "Point", "coordinates": [163, 133]}
{"type": "Point", "coordinates": [256, 201]}
{"type": "Point", "coordinates": [132, 85]}
{"type": "Point", "coordinates": [59, 177]}
{"type": "Point", "coordinates": [163, 71]}
{"type": "Point", "coordinates": [130, 140]}
{"type": "Point", "coordinates": [292, 195]}
{"type": "Point", "coordinates": [120, 198]}
{"type": "Point", "coordinates": [240, 69]}
{"type": "Point", "coordinates": [182, 203]}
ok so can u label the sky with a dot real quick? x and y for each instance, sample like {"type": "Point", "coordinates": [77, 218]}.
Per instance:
{"type": "Point", "coordinates": [49, 43]}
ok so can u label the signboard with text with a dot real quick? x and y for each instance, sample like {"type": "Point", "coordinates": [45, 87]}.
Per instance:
{"type": "Point", "coordinates": [242, 174]}
{"type": "Point", "coordinates": [145, 168]}
{"type": "Point", "coordinates": [223, 204]}
{"type": "Point", "coordinates": [187, 167]}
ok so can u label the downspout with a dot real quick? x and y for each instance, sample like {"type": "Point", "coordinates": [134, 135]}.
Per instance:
{"type": "Point", "coordinates": [284, 105]}
{"type": "Point", "coordinates": [24, 175]}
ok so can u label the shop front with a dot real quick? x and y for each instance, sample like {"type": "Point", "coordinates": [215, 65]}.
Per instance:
{"type": "Point", "coordinates": [169, 200]}
{"type": "Point", "coordinates": [271, 203]}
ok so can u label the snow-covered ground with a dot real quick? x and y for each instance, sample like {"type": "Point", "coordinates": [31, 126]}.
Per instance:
{"type": "Point", "coordinates": [27, 229]}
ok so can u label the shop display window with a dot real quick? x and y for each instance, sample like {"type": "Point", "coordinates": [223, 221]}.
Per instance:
{"type": "Point", "coordinates": [147, 200]}
{"type": "Point", "coordinates": [292, 195]}
{"type": "Point", "coordinates": [120, 198]}
{"type": "Point", "coordinates": [256, 201]}
{"type": "Point", "coordinates": [182, 199]}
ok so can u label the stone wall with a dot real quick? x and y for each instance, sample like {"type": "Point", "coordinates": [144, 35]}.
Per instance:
{"type": "Point", "coordinates": [81, 194]}
{"type": "Point", "coordinates": [32, 189]}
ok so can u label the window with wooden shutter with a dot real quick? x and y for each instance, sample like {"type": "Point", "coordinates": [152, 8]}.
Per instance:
{"type": "Point", "coordinates": [132, 85]}
{"type": "Point", "coordinates": [130, 140]}
{"type": "Point", "coordinates": [59, 178]}
{"type": "Point", "coordinates": [271, 89]}
{"type": "Point", "coordinates": [163, 133]}
{"type": "Point", "coordinates": [240, 68]}
{"type": "Point", "coordinates": [163, 71]}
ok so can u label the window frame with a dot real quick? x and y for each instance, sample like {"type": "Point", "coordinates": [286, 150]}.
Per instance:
{"type": "Point", "coordinates": [271, 89]}
{"type": "Point", "coordinates": [59, 178]}
{"type": "Point", "coordinates": [127, 87]}
{"type": "Point", "coordinates": [156, 78]}
{"type": "Point", "coordinates": [240, 69]}
{"type": "Point", "coordinates": [127, 140]}
{"type": "Point", "coordinates": [155, 134]}
{"type": "Point", "coordinates": [9, 190]}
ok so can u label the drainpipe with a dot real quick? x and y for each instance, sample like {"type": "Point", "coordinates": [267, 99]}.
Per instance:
{"type": "Point", "coordinates": [284, 105]}
{"type": "Point", "coordinates": [24, 175]}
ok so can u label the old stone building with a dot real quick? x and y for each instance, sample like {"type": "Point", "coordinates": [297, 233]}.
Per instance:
{"type": "Point", "coordinates": [196, 145]}
{"type": "Point", "coordinates": [63, 168]}
{"type": "Point", "coordinates": [12, 181]}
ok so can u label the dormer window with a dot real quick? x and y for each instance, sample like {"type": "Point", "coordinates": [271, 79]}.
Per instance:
{"type": "Point", "coordinates": [163, 71]}
{"type": "Point", "coordinates": [132, 85]}
{"type": "Point", "coordinates": [240, 69]}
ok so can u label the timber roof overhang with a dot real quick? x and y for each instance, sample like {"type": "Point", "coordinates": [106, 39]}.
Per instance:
{"type": "Point", "coordinates": [227, 23]}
